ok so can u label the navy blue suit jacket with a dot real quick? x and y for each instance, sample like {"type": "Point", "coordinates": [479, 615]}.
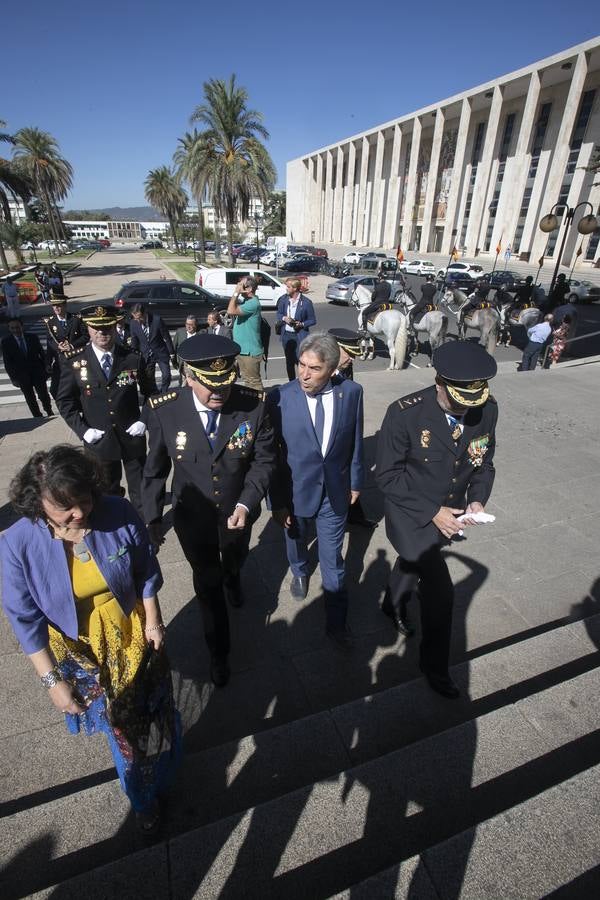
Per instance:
{"type": "Point", "coordinates": [157, 345]}
{"type": "Point", "coordinates": [302, 471]}
{"type": "Point", "coordinates": [305, 313]}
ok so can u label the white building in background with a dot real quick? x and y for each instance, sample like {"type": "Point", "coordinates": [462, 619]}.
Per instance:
{"type": "Point", "coordinates": [211, 221]}
{"type": "Point", "coordinates": [473, 171]}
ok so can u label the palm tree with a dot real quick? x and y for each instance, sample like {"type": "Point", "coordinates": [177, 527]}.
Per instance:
{"type": "Point", "coordinates": [38, 157]}
{"type": "Point", "coordinates": [13, 236]}
{"type": "Point", "coordinates": [236, 165]}
{"type": "Point", "coordinates": [188, 160]}
{"type": "Point", "coordinates": [163, 191]}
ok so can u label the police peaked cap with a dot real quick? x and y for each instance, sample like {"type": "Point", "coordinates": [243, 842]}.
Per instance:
{"type": "Point", "coordinates": [347, 339]}
{"type": "Point", "coordinates": [465, 369]}
{"type": "Point", "coordinates": [100, 316]}
{"type": "Point", "coordinates": [211, 358]}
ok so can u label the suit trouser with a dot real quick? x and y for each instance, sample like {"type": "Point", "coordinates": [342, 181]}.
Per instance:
{"type": "Point", "coordinates": [530, 356]}
{"type": "Point", "coordinates": [436, 594]}
{"type": "Point", "coordinates": [249, 367]}
{"type": "Point", "coordinates": [29, 389]}
{"type": "Point", "coordinates": [134, 469]}
{"type": "Point", "coordinates": [330, 529]}
{"type": "Point", "coordinates": [165, 375]}
{"type": "Point", "coordinates": [211, 566]}
{"type": "Point", "coordinates": [290, 349]}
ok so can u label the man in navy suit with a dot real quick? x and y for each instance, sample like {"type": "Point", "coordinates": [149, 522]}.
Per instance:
{"type": "Point", "coordinates": [151, 337]}
{"type": "Point", "coordinates": [295, 315]}
{"type": "Point", "coordinates": [25, 365]}
{"type": "Point", "coordinates": [318, 424]}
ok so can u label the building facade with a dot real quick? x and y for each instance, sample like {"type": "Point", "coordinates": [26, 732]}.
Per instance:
{"type": "Point", "coordinates": [475, 171]}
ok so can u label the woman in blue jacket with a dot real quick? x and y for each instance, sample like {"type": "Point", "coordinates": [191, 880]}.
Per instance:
{"type": "Point", "coordinates": [79, 587]}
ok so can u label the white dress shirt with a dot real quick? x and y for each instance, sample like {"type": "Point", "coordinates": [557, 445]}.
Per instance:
{"type": "Point", "coordinates": [204, 411]}
{"type": "Point", "coordinates": [327, 396]}
{"type": "Point", "coordinates": [292, 307]}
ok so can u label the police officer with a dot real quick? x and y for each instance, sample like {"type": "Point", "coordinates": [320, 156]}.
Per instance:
{"type": "Point", "coordinates": [220, 443]}
{"type": "Point", "coordinates": [427, 301]}
{"type": "Point", "coordinates": [434, 463]}
{"type": "Point", "coordinates": [66, 332]}
{"type": "Point", "coordinates": [98, 398]}
{"type": "Point", "coordinates": [477, 300]}
{"type": "Point", "coordinates": [380, 296]}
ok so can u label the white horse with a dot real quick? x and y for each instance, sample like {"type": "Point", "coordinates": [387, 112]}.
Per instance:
{"type": "Point", "coordinates": [485, 321]}
{"type": "Point", "coordinates": [525, 317]}
{"type": "Point", "coordinates": [390, 325]}
{"type": "Point", "coordinates": [433, 324]}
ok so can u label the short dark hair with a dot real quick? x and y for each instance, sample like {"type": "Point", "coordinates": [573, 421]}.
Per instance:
{"type": "Point", "coordinates": [64, 472]}
{"type": "Point", "coordinates": [138, 307]}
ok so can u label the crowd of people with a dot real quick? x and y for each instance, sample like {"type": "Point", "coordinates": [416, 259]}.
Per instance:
{"type": "Point", "coordinates": [80, 569]}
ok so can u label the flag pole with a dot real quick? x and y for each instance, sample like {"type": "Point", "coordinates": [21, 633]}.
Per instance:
{"type": "Point", "coordinates": [498, 250]}
{"type": "Point", "coordinates": [577, 255]}
{"type": "Point", "coordinates": [540, 264]}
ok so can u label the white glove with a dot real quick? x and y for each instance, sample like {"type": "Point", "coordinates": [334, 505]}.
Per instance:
{"type": "Point", "coordinates": [136, 430]}
{"type": "Point", "coordinates": [93, 435]}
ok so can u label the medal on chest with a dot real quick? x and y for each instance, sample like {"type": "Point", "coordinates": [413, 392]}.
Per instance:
{"type": "Point", "coordinates": [477, 449]}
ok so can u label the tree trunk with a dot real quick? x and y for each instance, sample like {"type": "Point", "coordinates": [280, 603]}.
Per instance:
{"type": "Point", "coordinates": [201, 231]}
{"type": "Point", "coordinates": [217, 241]}
{"type": "Point", "coordinates": [59, 223]}
{"type": "Point", "coordinates": [3, 258]}
{"type": "Point", "coordinates": [230, 243]}
{"type": "Point", "coordinates": [50, 214]}
{"type": "Point", "coordinates": [173, 233]}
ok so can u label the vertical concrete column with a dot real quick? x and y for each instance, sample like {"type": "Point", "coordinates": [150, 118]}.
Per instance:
{"type": "Point", "coordinates": [391, 230]}
{"type": "Point", "coordinates": [411, 185]}
{"type": "Point", "coordinates": [515, 180]}
{"type": "Point", "coordinates": [336, 231]}
{"type": "Point", "coordinates": [581, 189]}
{"type": "Point", "coordinates": [328, 195]}
{"type": "Point", "coordinates": [484, 168]}
{"type": "Point", "coordinates": [362, 192]}
{"type": "Point", "coordinates": [430, 194]}
{"type": "Point", "coordinates": [349, 195]}
{"type": "Point", "coordinates": [459, 166]}
{"type": "Point", "coordinates": [563, 147]}
{"type": "Point", "coordinates": [319, 186]}
{"type": "Point", "coordinates": [377, 193]}
{"type": "Point", "coordinates": [312, 219]}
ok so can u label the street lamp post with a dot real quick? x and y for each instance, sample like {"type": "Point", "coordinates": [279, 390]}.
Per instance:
{"type": "Point", "coordinates": [549, 223]}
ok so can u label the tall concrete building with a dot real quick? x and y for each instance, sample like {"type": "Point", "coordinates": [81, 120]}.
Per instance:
{"type": "Point", "coordinates": [473, 171]}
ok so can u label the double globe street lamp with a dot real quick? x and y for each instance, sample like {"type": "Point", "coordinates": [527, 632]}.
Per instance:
{"type": "Point", "coordinates": [586, 225]}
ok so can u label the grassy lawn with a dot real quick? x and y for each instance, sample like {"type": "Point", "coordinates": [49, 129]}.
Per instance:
{"type": "Point", "coordinates": [184, 270]}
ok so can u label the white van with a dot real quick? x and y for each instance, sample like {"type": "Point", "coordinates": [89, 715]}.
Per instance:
{"type": "Point", "coordinates": [221, 282]}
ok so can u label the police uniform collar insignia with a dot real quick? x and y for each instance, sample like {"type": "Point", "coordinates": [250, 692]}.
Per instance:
{"type": "Point", "coordinates": [425, 437]}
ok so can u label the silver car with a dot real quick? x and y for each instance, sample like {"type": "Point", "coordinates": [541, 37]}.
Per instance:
{"type": "Point", "coordinates": [341, 291]}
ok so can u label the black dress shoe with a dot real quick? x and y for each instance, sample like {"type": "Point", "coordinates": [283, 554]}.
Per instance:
{"type": "Point", "coordinates": [233, 592]}
{"type": "Point", "coordinates": [402, 624]}
{"type": "Point", "coordinates": [219, 671]}
{"type": "Point", "coordinates": [299, 586]}
{"type": "Point", "coordinates": [342, 639]}
{"type": "Point", "coordinates": [441, 684]}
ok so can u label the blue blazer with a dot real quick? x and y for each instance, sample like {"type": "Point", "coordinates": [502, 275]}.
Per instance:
{"type": "Point", "coordinates": [302, 470]}
{"type": "Point", "coordinates": [158, 344]}
{"type": "Point", "coordinates": [305, 313]}
{"type": "Point", "coordinates": [36, 585]}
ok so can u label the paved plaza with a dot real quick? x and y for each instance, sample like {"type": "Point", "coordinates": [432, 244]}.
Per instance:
{"type": "Point", "coordinates": [314, 775]}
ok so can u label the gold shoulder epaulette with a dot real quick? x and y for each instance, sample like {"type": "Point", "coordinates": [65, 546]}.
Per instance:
{"type": "Point", "coordinates": [69, 354]}
{"type": "Point", "coordinates": [409, 402]}
{"type": "Point", "coordinates": [161, 399]}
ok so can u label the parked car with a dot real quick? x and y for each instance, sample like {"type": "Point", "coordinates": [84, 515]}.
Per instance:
{"type": "Point", "coordinates": [418, 267]}
{"type": "Point", "coordinates": [151, 245]}
{"type": "Point", "coordinates": [353, 258]}
{"type": "Point", "coordinates": [221, 282]}
{"type": "Point", "coordinates": [172, 300]}
{"type": "Point", "coordinates": [341, 291]}
{"type": "Point", "coordinates": [583, 291]}
{"type": "Point", "coordinates": [305, 263]}
{"type": "Point", "coordinates": [104, 241]}
{"type": "Point", "coordinates": [372, 260]}
{"type": "Point", "coordinates": [469, 269]}
{"type": "Point", "coordinates": [512, 280]}
{"type": "Point", "coordinates": [459, 280]}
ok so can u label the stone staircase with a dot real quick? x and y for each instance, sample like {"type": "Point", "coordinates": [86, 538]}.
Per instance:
{"type": "Point", "coordinates": [396, 794]}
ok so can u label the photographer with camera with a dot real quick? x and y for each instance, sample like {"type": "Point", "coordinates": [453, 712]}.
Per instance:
{"type": "Point", "coordinates": [295, 315]}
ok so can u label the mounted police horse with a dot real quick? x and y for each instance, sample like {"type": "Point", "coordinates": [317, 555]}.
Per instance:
{"type": "Point", "coordinates": [390, 325]}
{"type": "Point", "coordinates": [526, 316]}
{"type": "Point", "coordinates": [433, 323]}
{"type": "Point", "coordinates": [485, 321]}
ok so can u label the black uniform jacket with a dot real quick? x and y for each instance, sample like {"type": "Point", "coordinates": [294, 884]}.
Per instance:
{"type": "Point", "coordinates": [72, 330]}
{"type": "Point", "coordinates": [86, 399]}
{"type": "Point", "coordinates": [208, 483]}
{"type": "Point", "coordinates": [420, 468]}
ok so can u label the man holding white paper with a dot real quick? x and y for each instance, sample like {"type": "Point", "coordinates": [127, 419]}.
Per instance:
{"type": "Point", "coordinates": [434, 464]}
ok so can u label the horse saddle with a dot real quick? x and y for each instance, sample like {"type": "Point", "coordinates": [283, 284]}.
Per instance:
{"type": "Point", "coordinates": [431, 307]}
{"type": "Point", "coordinates": [383, 307]}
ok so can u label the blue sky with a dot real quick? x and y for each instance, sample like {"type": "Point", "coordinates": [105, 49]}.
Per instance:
{"type": "Point", "coordinates": [116, 82]}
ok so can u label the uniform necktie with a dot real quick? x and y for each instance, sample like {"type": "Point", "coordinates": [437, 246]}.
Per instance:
{"type": "Point", "coordinates": [320, 420]}
{"type": "Point", "coordinates": [211, 426]}
{"type": "Point", "coordinates": [455, 425]}
{"type": "Point", "coordinates": [106, 364]}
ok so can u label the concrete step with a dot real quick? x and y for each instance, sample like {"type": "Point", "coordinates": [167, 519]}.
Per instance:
{"type": "Point", "coordinates": [324, 836]}
{"type": "Point", "coordinates": [548, 846]}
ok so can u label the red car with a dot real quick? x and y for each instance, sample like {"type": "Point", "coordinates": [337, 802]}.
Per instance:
{"type": "Point", "coordinates": [104, 242]}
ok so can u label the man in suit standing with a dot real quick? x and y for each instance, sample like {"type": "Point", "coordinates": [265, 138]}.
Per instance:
{"type": "Point", "coordinates": [190, 328]}
{"type": "Point", "coordinates": [434, 463]}
{"type": "Point", "coordinates": [151, 337]}
{"type": "Point", "coordinates": [216, 326]}
{"type": "Point", "coordinates": [295, 316]}
{"type": "Point", "coordinates": [318, 422]}
{"type": "Point", "coordinates": [98, 398]}
{"type": "Point", "coordinates": [65, 332]}
{"type": "Point", "coordinates": [219, 440]}
{"type": "Point", "coordinates": [25, 365]}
